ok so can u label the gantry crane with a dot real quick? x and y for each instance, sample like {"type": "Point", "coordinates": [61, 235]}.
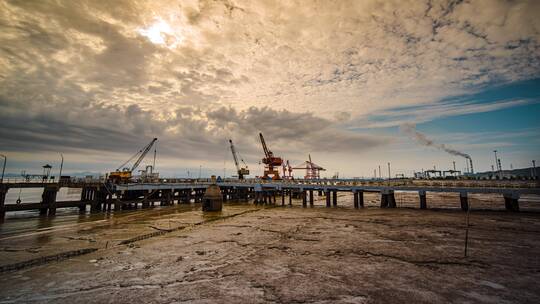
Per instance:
{"type": "Point", "coordinates": [312, 169]}
{"type": "Point", "coordinates": [272, 162]}
{"type": "Point", "coordinates": [124, 174]}
{"type": "Point", "coordinates": [242, 171]}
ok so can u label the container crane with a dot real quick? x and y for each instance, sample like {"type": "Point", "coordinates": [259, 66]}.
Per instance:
{"type": "Point", "coordinates": [312, 169]}
{"type": "Point", "coordinates": [123, 173]}
{"type": "Point", "coordinates": [240, 170]}
{"type": "Point", "coordinates": [272, 163]}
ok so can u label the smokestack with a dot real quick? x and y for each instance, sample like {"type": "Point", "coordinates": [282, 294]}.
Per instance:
{"type": "Point", "coordinates": [472, 170]}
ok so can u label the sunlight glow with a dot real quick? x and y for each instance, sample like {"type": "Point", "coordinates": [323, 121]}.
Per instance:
{"type": "Point", "coordinates": [162, 33]}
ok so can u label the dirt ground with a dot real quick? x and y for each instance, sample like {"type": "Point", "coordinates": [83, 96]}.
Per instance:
{"type": "Point", "coordinates": [249, 254]}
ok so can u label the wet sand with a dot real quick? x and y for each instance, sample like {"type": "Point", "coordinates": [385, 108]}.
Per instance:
{"type": "Point", "coordinates": [286, 254]}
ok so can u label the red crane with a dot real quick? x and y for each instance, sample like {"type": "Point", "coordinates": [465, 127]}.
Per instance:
{"type": "Point", "coordinates": [271, 162]}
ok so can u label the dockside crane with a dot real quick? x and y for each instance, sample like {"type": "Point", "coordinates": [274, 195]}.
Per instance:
{"type": "Point", "coordinates": [242, 171]}
{"type": "Point", "coordinates": [272, 163]}
{"type": "Point", "coordinates": [124, 174]}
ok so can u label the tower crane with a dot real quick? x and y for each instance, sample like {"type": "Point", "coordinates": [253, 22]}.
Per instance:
{"type": "Point", "coordinates": [271, 162]}
{"type": "Point", "coordinates": [123, 173]}
{"type": "Point", "coordinates": [240, 170]}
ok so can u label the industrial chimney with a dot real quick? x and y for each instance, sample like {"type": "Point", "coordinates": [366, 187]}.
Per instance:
{"type": "Point", "coordinates": [472, 170]}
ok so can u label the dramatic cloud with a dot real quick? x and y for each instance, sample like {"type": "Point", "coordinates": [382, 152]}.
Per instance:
{"type": "Point", "coordinates": [107, 75]}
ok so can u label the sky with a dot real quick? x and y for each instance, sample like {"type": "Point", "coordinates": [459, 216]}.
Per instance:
{"type": "Point", "coordinates": [96, 80]}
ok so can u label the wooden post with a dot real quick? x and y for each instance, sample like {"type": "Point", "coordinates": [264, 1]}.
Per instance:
{"type": "Point", "coordinates": [423, 201]}
{"type": "Point", "coordinates": [464, 200]}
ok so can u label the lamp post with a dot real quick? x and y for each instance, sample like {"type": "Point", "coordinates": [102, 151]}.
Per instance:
{"type": "Point", "coordinates": [3, 168]}
{"type": "Point", "coordinates": [61, 166]}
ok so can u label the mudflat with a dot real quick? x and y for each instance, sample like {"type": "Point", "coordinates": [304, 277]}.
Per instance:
{"type": "Point", "coordinates": [250, 254]}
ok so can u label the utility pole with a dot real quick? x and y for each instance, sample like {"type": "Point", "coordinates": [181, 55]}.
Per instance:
{"type": "Point", "coordinates": [4, 168]}
{"type": "Point", "coordinates": [380, 176]}
{"type": "Point", "coordinates": [389, 176]}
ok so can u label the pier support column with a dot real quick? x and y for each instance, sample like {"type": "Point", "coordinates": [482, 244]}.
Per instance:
{"type": "Point", "coordinates": [464, 200]}
{"type": "Point", "coordinates": [290, 196]}
{"type": "Point", "coordinates": [304, 198]}
{"type": "Point", "coordinates": [355, 199]}
{"type": "Point", "coordinates": [118, 202]}
{"type": "Point", "coordinates": [145, 203]}
{"type": "Point", "coordinates": [361, 199]}
{"type": "Point", "coordinates": [282, 197]}
{"type": "Point", "coordinates": [511, 201]}
{"type": "Point", "coordinates": [49, 199]}
{"type": "Point", "coordinates": [423, 201]}
{"type": "Point", "coordinates": [327, 194]}
{"type": "Point", "coordinates": [311, 199]}
{"type": "Point", "coordinates": [391, 199]}
{"type": "Point", "coordinates": [3, 192]}
{"type": "Point", "coordinates": [384, 198]}
{"type": "Point", "coordinates": [320, 193]}
{"type": "Point", "coordinates": [334, 198]}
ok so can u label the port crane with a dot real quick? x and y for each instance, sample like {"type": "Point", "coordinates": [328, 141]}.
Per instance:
{"type": "Point", "coordinates": [272, 163]}
{"type": "Point", "coordinates": [312, 169]}
{"type": "Point", "coordinates": [242, 171]}
{"type": "Point", "coordinates": [123, 173]}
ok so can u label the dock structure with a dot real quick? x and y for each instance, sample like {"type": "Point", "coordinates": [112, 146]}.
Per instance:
{"type": "Point", "coordinates": [99, 196]}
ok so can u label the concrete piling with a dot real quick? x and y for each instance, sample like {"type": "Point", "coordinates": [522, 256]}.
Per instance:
{"type": "Point", "coordinates": [327, 195]}
{"type": "Point", "coordinates": [48, 200]}
{"type": "Point", "coordinates": [511, 201]}
{"type": "Point", "coordinates": [334, 198]}
{"type": "Point", "coordinates": [355, 199]}
{"type": "Point", "coordinates": [304, 198]}
{"type": "Point", "coordinates": [311, 199]}
{"type": "Point", "coordinates": [361, 198]}
{"type": "Point", "coordinates": [388, 200]}
{"type": "Point", "coordinates": [423, 201]}
{"type": "Point", "coordinates": [464, 201]}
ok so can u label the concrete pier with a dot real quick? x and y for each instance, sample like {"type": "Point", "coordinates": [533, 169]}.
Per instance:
{"type": "Point", "coordinates": [511, 201]}
{"type": "Point", "coordinates": [334, 198]}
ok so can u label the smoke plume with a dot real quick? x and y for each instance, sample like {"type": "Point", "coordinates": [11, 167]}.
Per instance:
{"type": "Point", "coordinates": [410, 129]}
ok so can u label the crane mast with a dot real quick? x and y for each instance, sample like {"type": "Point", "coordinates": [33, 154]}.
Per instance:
{"type": "Point", "coordinates": [272, 163]}
{"type": "Point", "coordinates": [240, 170]}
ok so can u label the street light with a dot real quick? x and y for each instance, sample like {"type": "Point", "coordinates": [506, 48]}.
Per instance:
{"type": "Point", "coordinates": [61, 166]}
{"type": "Point", "coordinates": [3, 168]}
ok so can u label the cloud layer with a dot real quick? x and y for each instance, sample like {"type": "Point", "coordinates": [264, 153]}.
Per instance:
{"type": "Point", "coordinates": [106, 76]}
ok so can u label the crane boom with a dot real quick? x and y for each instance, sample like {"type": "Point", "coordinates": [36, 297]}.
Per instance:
{"type": "Point", "coordinates": [234, 155]}
{"type": "Point", "coordinates": [143, 152]}
{"type": "Point", "coordinates": [267, 153]}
